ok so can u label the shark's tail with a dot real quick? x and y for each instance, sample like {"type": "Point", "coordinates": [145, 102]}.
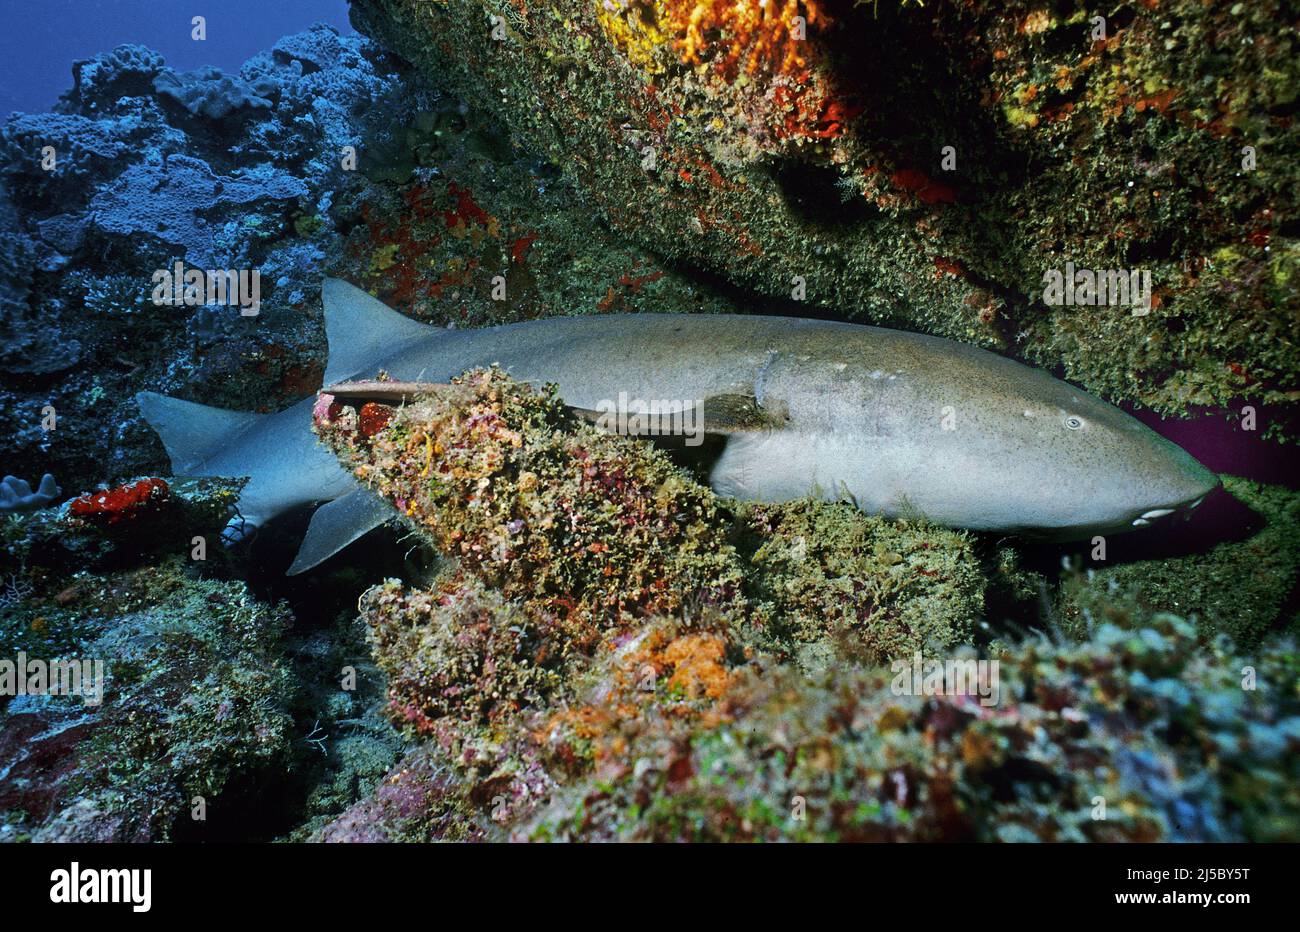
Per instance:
{"type": "Point", "coordinates": [192, 433]}
{"type": "Point", "coordinates": [360, 330]}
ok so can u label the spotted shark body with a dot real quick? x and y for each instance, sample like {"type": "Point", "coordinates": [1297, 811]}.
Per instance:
{"type": "Point", "coordinates": [899, 423]}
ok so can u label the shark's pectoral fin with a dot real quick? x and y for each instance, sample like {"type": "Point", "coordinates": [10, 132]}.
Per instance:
{"type": "Point", "coordinates": [742, 414]}
{"type": "Point", "coordinates": [337, 524]}
{"type": "Point", "coordinates": [717, 415]}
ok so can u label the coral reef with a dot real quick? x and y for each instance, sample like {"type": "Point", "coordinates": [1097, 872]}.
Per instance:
{"type": "Point", "coordinates": [1079, 730]}
{"type": "Point", "coordinates": [603, 649]}
{"type": "Point", "coordinates": [417, 801]}
{"type": "Point", "coordinates": [109, 77]}
{"type": "Point", "coordinates": [136, 182]}
{"type": "Point", "coordinates": [195, 699]}
{"type": "Point", "coordinates": [560, 534]}
{"type": "Point", "coordinates": [1143, 732]}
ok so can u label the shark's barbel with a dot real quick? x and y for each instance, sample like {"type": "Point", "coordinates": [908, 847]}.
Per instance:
{"type": "Point", "coordinates": [899, 423]}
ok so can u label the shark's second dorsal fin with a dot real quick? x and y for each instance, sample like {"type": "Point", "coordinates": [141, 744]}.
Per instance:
{"type": "Point", "coordinates": [337, 524]}
{"type": "Point", "coordinates": [361, 329]}
{"type": "Point", "coordinates": [191, 432]}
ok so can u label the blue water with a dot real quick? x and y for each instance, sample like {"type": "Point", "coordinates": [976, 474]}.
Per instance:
{"type": "Point", "coordinates": [40, 39]}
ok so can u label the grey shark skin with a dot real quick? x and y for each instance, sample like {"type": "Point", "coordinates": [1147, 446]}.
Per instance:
{"type": "Point", "coordinates": [901, 424]}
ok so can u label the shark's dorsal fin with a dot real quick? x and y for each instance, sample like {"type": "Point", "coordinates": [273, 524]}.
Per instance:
{"type": "Point", "coordinates": [337, 524]}
{"type": "Point", "coordinates": [191, 432]}
{"type": "Point", "coordinates": [362, 329]}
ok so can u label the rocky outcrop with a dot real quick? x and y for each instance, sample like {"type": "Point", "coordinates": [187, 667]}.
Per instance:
{"type": "Point", "coordinates": [925, 164]}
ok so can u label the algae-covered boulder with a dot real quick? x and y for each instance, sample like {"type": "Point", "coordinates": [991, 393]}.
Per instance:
{"type": "Point", "coordinates": [588, 526]}
{"type": "Point", "coordinates": [831, 580]}
{"type": "Point", "coordinates": [927, 164]}
{"type": "Point", "coordinates": [184, 709]}
{"type": "Point", "coordinates": [197, 698]}
{"type": "Point", "coordinates": [460, 650]}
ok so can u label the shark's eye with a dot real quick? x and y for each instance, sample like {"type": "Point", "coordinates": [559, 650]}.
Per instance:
{"type": "Point", "coordinates": [1073, 422]}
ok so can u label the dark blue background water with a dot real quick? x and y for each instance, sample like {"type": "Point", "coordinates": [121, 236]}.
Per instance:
{"type": "Point", "coordinates": [40, 39]}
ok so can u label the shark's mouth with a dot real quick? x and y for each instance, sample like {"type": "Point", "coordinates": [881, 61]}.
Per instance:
{"type": "Point", "coordinates": [1156, 514]}
{"type": "Point", "coordinates": [1135, 521]}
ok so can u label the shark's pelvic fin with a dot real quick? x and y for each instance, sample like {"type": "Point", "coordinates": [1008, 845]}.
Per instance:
{"type": "Point", "coordinates": [360, 329]}
{"type": "Point", "coordinates": [337, 524]}
{"type": "Point", "coordinates": [192, 432]}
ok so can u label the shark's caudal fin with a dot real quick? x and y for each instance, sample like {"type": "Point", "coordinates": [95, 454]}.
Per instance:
{"type": "Point", "coordinates": [192, 432]}
{"type": "Point", "coordinates": [337, 524]}
{"type": "Point", "coordinates": [360, 329]}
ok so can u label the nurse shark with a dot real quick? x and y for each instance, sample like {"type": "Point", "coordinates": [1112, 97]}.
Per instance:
{"type": "Point", "coordinates": [901, 424]}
